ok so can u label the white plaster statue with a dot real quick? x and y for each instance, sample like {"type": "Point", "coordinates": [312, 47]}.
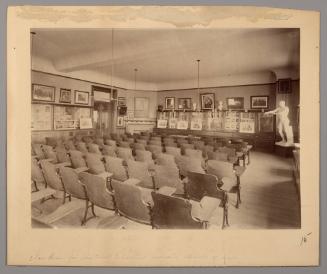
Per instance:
{"type": "Point", "coordinates": [283, 124]}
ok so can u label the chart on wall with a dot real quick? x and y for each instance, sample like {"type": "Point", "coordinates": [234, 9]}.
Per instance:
{"type": "Point", "coordinates": [247, 122]}
{"type": "Point", "coordinates": [41, 117]}
{"type": "Point", "coordinates": [232, 120]}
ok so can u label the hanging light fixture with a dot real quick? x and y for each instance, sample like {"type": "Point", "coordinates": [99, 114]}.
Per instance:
{"type": "Point", "coordinates": [112, 63]}
{"type": "Point", "coordinates": [135, 72]}
{"type": "Point", "coordinates": [32, 45]}
{"type": "Point", "coordinates": [198, 66]}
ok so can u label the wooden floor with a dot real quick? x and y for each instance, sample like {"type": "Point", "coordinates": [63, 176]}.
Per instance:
{"type": "Point", "coordinates": [269, 200]}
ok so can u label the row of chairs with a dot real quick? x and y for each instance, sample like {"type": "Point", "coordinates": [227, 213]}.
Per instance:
{"type": "Point", "coordinates": [156, 207]}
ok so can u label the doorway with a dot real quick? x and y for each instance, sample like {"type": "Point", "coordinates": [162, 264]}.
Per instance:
{"type": "Point", "coordinates": [103, 118]}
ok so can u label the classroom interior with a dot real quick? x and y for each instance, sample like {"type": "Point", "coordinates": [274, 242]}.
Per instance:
{"type": "Point", "coordinates": [165, 128]}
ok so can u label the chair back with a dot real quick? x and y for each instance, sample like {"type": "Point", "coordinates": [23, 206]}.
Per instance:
{"type": "Point", "coordinates": [129, 202]}
{"type": "Point", "coordinates": [77, 159]}
{"type": "Point", "coordinates": [109, 151]}
{"type": "Point", "coordinates": [94, 163]}
{"type": "Point", "coordinates": [51, 176]}
{"type": "Point", "coordinates": [97, 191]}
{"type": "Point", "coordinates": [144, 156]}
{"type": "Point", "coordinates": [142, 141]}
{"type": "Point", "coordinates": [139, 146]}
{"type": "Point", "coordinates": [139, 170]}
{"type": "Point", "coordinates": [116, 166]}
{"type": "Point", "coordinates": [50, 154]}
{"type": "Point", "coordinates": [229, 150]}
{"type": "Point", "coordinates": [155, 142]}
{"type": "Point", "coordinates": [37, 148]}
{"type": "Point", "coordinates": [36, 172]}
{"type": "Point", "coordinates": [186, 164]}
{"type": "Point", "coordinates": [62, 155]}
{"type": "Point", "coordinates": [71, 182]}
{"type": "Point", "coordinates": [168, 176]}
{"type": "Point", "coordinates": [172, 212]}
{"type": "Point", "coordinates": [220, 169]}
{"type": "Point", "coordinates": [193, 153]}
{"type": "Point", "coordinates": [219, 156]}
{"type": "Point", "coordinates": [69, 145]}
{"type": "Point", "coordinates": [185, 146]}
{"type": "Point", "coordinates": [200, 185]}
{"type": "Point", "coordinates": [166, 159]}
{"type": "Point", "coordinates": [124, 144]}
{"type": "Point", "coordinates": [99, 141]}
{"type": "Point", "coordinates": [110, 142]}
{"type": "Point", "coordinates": [124, 153]}
{"type": "Point", "coordinates": [155, 149]}
{"type": "Point", "coordinates": [87, 139]}
{"type": "Point", "coordinates": [81, 146]}
{"type": "Point", "coordinates": [175, 151]}
{"type": "Point", "coordinates": [94, 148]}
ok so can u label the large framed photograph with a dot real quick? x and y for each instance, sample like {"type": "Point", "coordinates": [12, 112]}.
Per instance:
{"type": "Point", "coordinates": [259, 102]}
{"type": "Point", "coordinates": [284, 86]}
{"type": "Point", "coordinates": [207, 101]}
{"type": "Point", "coordinates": [235, 103]}
{"type": "Point", "coordinates": [120, 121]}
{"type": "Point", "coordinates": [170, 102]}
{"type": "Point", "coordinates": [65, 95]}
{"type": "Point", "coordinates": [43, 93]}
{"type": "Point", "coordinates": [184, 103]}
{"type": "Point", "coordinates": [81, 97]}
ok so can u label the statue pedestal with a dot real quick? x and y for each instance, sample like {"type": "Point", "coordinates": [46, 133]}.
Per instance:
{"type": "Point", "coordinates": [284, 149]}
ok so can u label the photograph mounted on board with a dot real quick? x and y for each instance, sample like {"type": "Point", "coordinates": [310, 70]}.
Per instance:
{"type": "Point", "coordinates": [259, 102]}
{"type": "Point", "coordinates": [43, 93]}
{"type": "Point", "coordinates": [207, 101]}
{"type": "Point", "coordinates": [81, 97]}
{"type": "Point", "coordinates": [235, 103]}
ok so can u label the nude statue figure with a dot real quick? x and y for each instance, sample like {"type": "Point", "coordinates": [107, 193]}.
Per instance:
{"type": "Point", "coordinates": [283, 124]}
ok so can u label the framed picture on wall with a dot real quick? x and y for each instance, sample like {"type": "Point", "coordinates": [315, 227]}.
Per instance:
{"type": "Point", "coordinates": [207, 101]}
{"type": "Point", "coordinates": [235, 103]}
{"type": "Point", "coordinates": [184, 103]}
{"type": "Point", "coordinates": [284, 86]}
{"type": "Point", "coordinates": [43, 93]}
{"type": "Point", "coordinates": [120, 121]}
{"type": "Point", "coordinates": [259, 102]}
{"type": "Point", "coordinates": [170, 102]}
{"type": "Point", "coordinates": [65, 95]}
{"type": "Point", "coordinates": [81, 97]}
{"type": "Point", "coordinates": [121, 101]}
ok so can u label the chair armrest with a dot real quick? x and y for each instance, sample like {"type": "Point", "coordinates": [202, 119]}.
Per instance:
{"type": "Point", "coordinates": [228, 184]}
{"type": "Point", "coordinates": [232, 159]}
{"type": "Point", "coordinates": [104, 175]}
{"type": "Point", "coordinates": [64, 164]}
{"type": "Point", "coordinates": [204, 209]}
{"type": "Point", "coordinates": [166, 190]}
{"type": "Point", "coordinates": [146, 196]}
{"type": "Point", "coordinates": [132, 181]}
{"type": "Point", "coordinates": [239, 154]}
{"type": "Point", "coordinates": [185, 180]}
{"type": "Point", "coordinates": [81, 169]}
{"type": "Point", "coordinates": [239, 170]}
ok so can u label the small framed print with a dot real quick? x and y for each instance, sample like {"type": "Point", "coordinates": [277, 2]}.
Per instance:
{"type": "Point", "coordinates": [121, 101]}
{"type": "Point", "coordinates": [162, 123]}
{"type": "Point", "coordinates": [184, 103]}
{"type": "Point", "coordinates": [81, 97]}
{"type": "Point", "coordinates": [43, 93]}
{"type": "Point", "coordinates": [65, 95]}
{"type": "Point", "coordinates": [170, 102]}
{"type": "Point", "coordinates": [207, 101]}
{"type": "Point", "coordinates": [259, 102]}
{"type": "Point", "coordinates": [235, 103]}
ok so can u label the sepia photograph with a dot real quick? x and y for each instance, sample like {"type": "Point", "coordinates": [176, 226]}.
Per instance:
{"type": "Point", "coordinates": [231, 171]}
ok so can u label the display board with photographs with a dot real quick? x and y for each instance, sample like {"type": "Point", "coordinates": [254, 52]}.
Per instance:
{"type": "Point", "coordinates": [232, 119]}
{"type": "Point", "coordinates": [247, 122]}
{"type": "Point", "coordinates": [66, 117]}
{"type": "Point", "coordinates": [41, 117]}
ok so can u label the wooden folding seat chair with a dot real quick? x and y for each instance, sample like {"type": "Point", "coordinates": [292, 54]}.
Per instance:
{"type": "Point", "coordinates": [77, 159]}
{"type": "Point", "coordinates": [132, 201]}
{"type": "Point", "coordinates": [110, 142]}
{"type": "Point", "coordinates": [165, 175]}
{"type": "Point", "coordinates": [63, 156]}
{"type": "Point", "coordinates": [233, 156]}
{"type": "Point", "coordinates": [36, 175]}
{"type": "Point", "coordinates": [168, 140]}
{"type": "Point", "coordinates": [155, 149]}
{"type": "Point", "coordinates": [38, 151]}
{"type": "Point", "coordinates": [96, 166]}
{"type": "Point", "coordinates": [242, 151]}
{"type": "Point", "coordinates": [175, 212]}
{"type": "Point", "coordinates": [216, 155]}
{"type": "Point", "coordinates": [75, 188]}
{"type": "Point", "coordinates": [186, 164]}
{"type": "Point", "coordinates": [130, 140]}
{"type": "Point", "coordinates": [97, 191]}
{"type": "Point", "coordinates": [199, 185]}
{"type": "Point", "coordinates": [144, 137]}
{"type": "Point", "coordinates": [140, 171]}
{"type": "Point", "coordinates": [109, 151]}
{"type": "Point", "coordinates": [175, 151]}
{"type": "Point", "coordinates": [81, 146]}
{"type": "Point", "coordinates": [87, 139]}
{"type": "Point", "coordinates": [117, 167]}
{"type": "Point", "coordinates": [199, 144]}
{"type": "Point", "coordinates": [228, 176]}
{"type": "Point", "coordinates": [193, 153]}
{"type": "Point", "coordinates": [124, 153]}
{"type": "Point", "coordinates": [206, 149]}
{"type": "Point", "coordinates": [50, 154]}
{"type": "Point", "coordinates": [144, 156]}
{"type": "Point", "coordinates": [53, 156]}
{"type": "Point", "coordinates": [180, 141]}
{"type": "Point", "coordinates": [165, 159]}
{"type": "Point", "coordinates": [94, 148]}
{"type": "Point", "coordinates": [186, 146]}
{"type": "Point", "coordinates": [52, 178]}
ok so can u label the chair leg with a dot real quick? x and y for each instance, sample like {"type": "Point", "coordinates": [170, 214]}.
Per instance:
{"type": "Point", "coordinates": [35, 187]}
{"type": "Point", "coordinates": [85, 212]}
{"type": "Point", "coordinates": [92, 208]}
{"type": "Point", "coordinates": [64, 200]}
{"type": "Point", "coordinates": [248, 157]}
